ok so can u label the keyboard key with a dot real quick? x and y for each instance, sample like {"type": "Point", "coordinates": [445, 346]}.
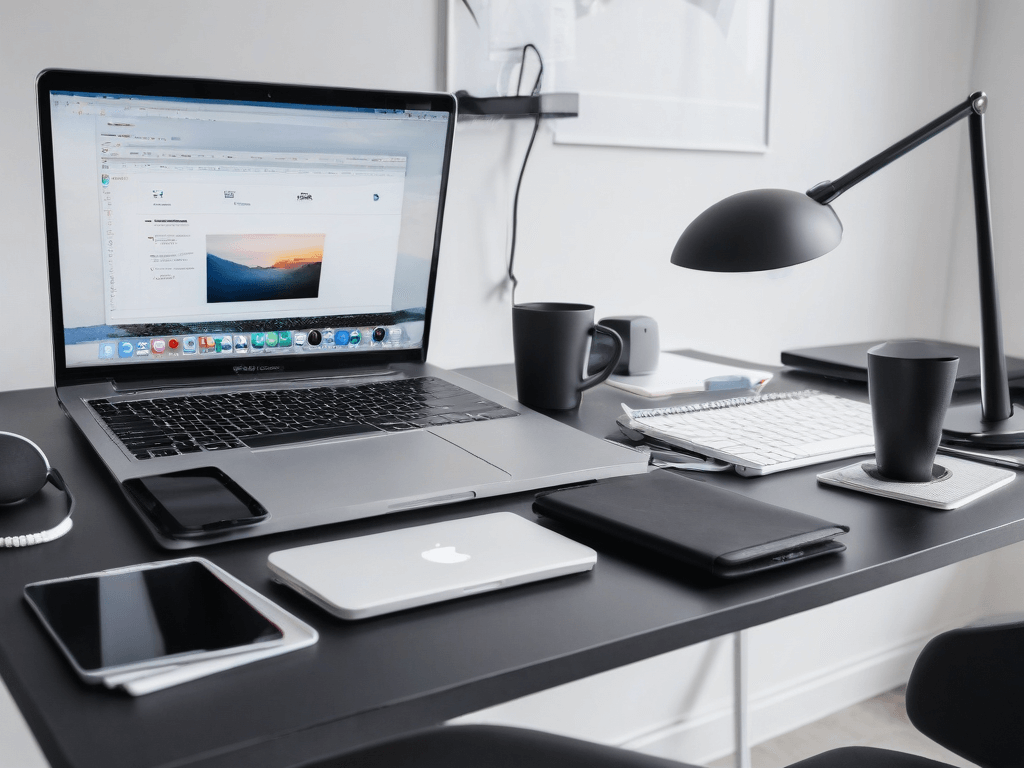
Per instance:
{"type": "Point", "coordinates": [499, 413]}
{"type": "Point", "coordinates": [818, 447]}
{"type": "Point", "coordinates": [301, 436]}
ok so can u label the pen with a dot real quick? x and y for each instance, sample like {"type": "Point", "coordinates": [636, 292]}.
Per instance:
{"type": "Point", "coordinates": [676, 459]}
{"type": "Point", "coordinates": [1012, 462]}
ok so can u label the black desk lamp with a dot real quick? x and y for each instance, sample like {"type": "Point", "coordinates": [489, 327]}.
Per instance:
{"type": "Point", "coordinates": [773, 228]}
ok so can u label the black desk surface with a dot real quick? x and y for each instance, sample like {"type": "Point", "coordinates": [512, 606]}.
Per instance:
{"type": "Point", "coordinates": [367, 680]}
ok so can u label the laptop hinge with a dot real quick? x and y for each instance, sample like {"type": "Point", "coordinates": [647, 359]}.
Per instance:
{"type": "Point", "coordinates": [144, 385]}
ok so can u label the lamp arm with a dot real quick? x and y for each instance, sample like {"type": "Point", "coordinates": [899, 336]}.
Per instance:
{"type": "Point", "coordinates": [996, 405]}
{"type": "Point", "coordinates": [827, 191]}
{"type": "Point", "coordinates": [995, 389]}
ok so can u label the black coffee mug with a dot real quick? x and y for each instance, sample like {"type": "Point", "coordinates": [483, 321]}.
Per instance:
{"type": "Point", "coordinates": [551, 343]}
{"type": "Point", "coordinates": [909, 387]}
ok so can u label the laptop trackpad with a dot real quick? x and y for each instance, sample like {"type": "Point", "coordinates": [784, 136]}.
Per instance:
{"type": "Point", "coordinates": [321, 478]}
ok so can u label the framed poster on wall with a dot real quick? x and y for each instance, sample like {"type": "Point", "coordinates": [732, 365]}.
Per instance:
{"type": "Point", "coordinates": [683, 74]}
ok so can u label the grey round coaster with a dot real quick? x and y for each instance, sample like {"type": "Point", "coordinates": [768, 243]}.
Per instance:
{"type": "Point", "coordinates": [955, 482]}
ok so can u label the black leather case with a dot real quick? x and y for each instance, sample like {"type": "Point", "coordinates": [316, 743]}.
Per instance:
{"type": "Point", "coordinates": [713, 529]}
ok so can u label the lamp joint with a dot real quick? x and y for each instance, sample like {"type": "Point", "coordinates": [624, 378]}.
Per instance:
{"type": "Point", "coordinates": [979, 102]}
{"type": "Point", "coordinates": [823, 192]}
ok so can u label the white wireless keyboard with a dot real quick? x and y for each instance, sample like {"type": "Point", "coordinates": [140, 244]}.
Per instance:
{"type": "Point", "coordinates": [765, 433]}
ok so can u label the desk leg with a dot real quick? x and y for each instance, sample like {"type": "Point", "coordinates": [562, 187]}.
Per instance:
{"type": "Point", "coordinates": [741, 715]}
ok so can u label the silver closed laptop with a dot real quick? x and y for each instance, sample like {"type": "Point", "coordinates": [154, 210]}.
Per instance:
{"type": "Point", "coordinates": [384, 572]}
{"type": "Point", "coordinates": [242, 280]}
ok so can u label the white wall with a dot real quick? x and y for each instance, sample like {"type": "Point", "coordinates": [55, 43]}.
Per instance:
{"type": "Point", "coordinates": [597, 225]}
{"type": "Point", "coordinates": [999, 59]}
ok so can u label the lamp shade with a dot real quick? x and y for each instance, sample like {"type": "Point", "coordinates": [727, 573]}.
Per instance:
{"type": "Point", "coordinates": [758, 230]}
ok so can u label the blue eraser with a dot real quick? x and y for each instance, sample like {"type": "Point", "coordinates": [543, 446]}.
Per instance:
{"type": "Point", "coordinates": [727, 382]}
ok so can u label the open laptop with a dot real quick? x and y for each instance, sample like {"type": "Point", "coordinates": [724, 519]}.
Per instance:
{"type": "Point", "coordinates": [241, 274]}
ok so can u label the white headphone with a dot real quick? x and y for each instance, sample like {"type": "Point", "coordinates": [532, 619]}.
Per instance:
{"type": "Point", "coordinates": [24, 471]}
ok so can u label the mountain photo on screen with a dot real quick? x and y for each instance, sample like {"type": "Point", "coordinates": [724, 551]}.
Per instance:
{"type": "Point", "coordinates": [256, 267]}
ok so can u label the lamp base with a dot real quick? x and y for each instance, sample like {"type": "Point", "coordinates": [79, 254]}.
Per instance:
{"type": "Point", "coordinates": [964, 425]}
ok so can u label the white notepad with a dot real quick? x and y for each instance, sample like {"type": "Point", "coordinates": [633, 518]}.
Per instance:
{"type": "Point", "coordinates": [678, 374]}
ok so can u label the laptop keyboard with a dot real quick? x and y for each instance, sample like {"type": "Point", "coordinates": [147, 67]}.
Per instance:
{"type": "Point", "coordinates": [169, 426]}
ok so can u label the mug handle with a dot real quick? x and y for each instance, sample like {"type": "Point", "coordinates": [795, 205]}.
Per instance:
{"type": "Point", "coordinates": [605, 372]}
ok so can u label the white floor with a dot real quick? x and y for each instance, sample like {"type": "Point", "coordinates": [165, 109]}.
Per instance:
{"type": "Point", "coordinates": [878, 722]}
{"type": "Point", "coordinates": [18, 748]}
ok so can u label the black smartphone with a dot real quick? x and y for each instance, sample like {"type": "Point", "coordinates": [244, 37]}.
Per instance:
{"type": "Point", "coordinates": [194, 502]}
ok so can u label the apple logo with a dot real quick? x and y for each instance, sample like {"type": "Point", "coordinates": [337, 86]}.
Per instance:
{"type": "Point", "coordinates": [446, 555]}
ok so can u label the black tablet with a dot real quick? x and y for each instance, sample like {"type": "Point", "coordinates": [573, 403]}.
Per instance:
{"type": "Point", "coordinates": [147, 616]}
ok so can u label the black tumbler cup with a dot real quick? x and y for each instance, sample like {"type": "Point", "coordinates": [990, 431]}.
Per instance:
{"type": "Point", "coordinates": [551, 346]}
{"type": "Point", "coordinates": [909, 386]}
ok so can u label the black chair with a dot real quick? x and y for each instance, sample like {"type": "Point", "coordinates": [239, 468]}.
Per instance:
{"type": "Point", "coordinates": [966, 692]}
{"type": "Point", "coordinates": [492, 746]}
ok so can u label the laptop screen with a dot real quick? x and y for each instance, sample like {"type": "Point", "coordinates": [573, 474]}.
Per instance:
{"type": "Point", "coordinates": [242, 230]}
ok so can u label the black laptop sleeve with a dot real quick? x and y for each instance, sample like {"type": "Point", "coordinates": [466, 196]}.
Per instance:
{"type": "Point", "coordinates": [707, 527]}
